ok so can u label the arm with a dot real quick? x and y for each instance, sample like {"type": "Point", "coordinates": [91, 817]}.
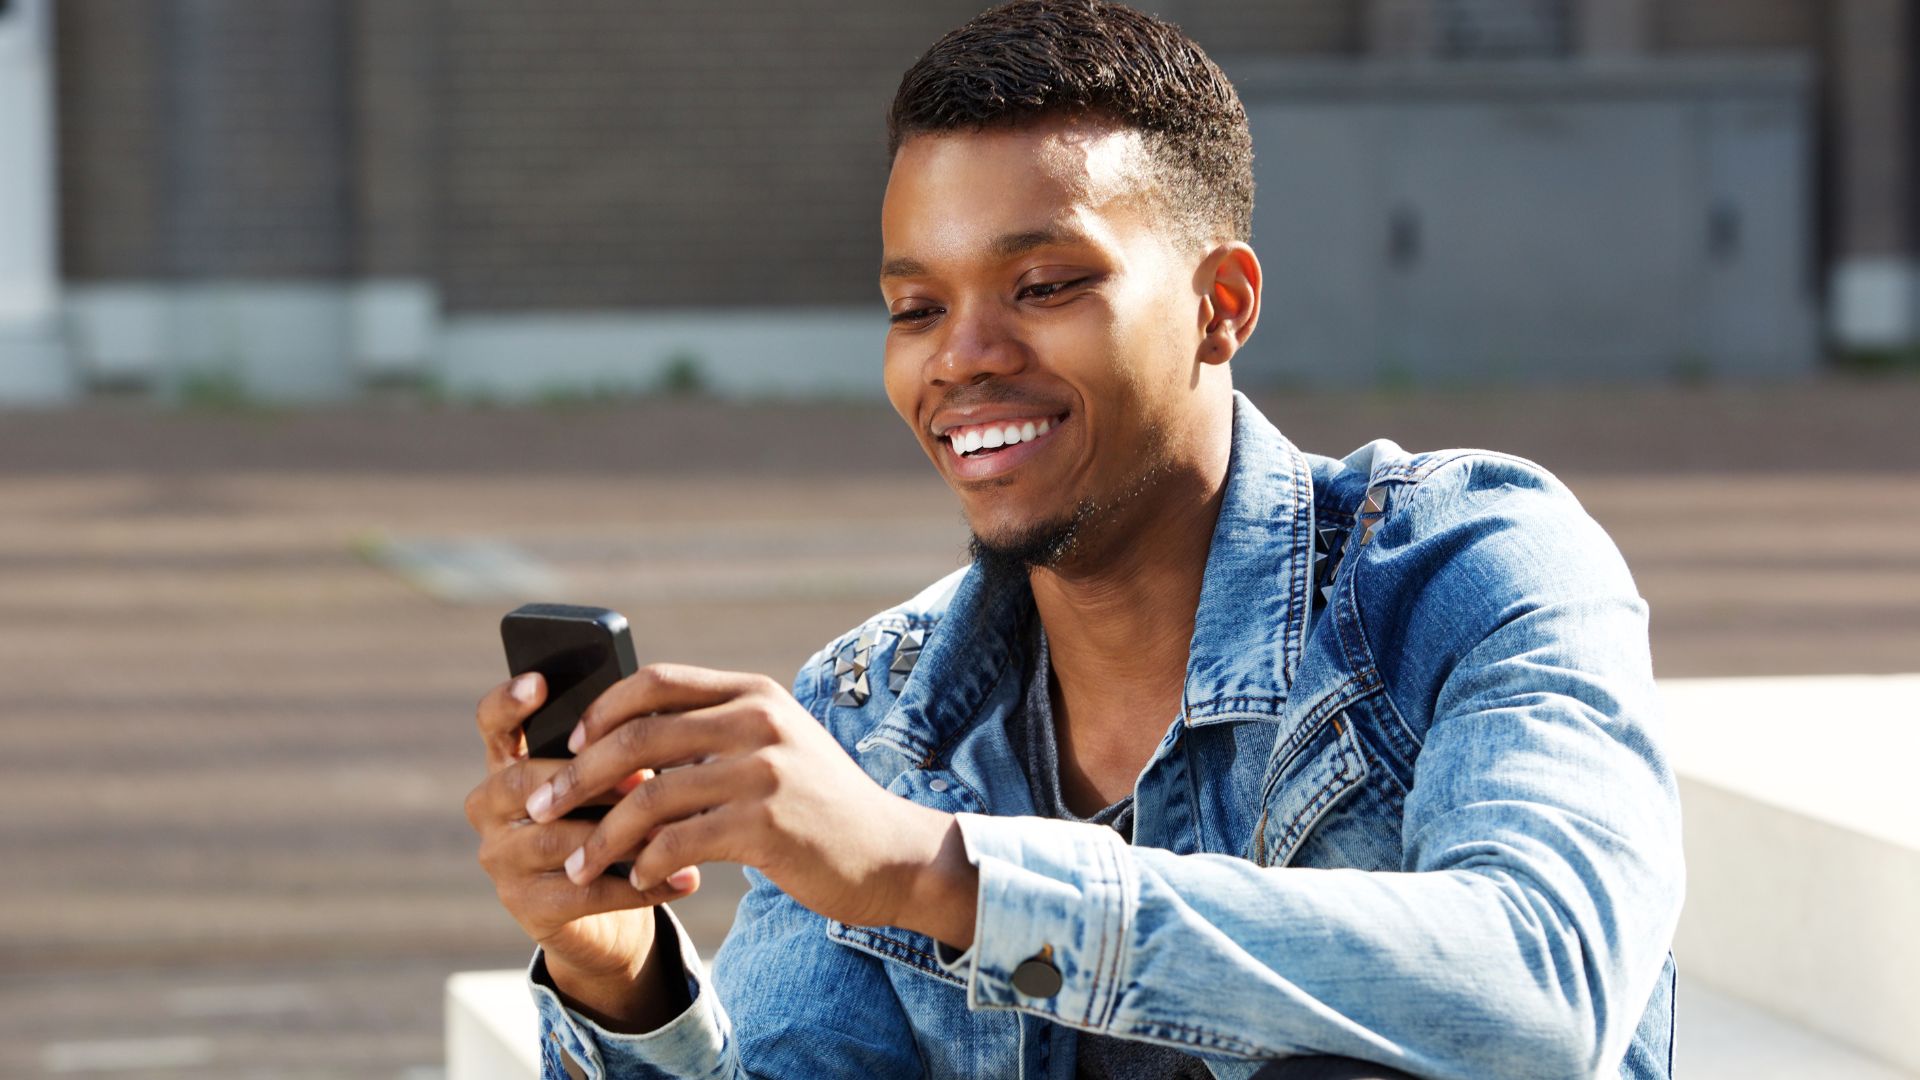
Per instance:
{"type": "Point", "coordinates": [756, 762]}
{"type": "Point", "coordinates": [770, 972]}
{"type": "Point", "coordinates": [1541, 874]}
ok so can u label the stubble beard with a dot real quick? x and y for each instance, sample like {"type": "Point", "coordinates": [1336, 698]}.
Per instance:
{"type": "Point", "coordinates": [1060, 542]}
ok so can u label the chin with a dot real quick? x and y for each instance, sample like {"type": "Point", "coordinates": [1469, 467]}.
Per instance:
{"type": "Point", "coordinates": [1034, 543]}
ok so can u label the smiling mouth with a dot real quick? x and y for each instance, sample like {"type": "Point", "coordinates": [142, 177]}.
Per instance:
{"type": "Point", "coordinates": [973, 441]}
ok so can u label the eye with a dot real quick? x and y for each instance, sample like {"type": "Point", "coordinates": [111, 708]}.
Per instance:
{"type": "Point", "coordinates": [1047, 290]}
{"type": "Point", "coordinates": [912, 316]}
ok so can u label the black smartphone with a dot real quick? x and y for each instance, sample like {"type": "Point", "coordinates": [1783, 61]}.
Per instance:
{"type": "Point", "coordinates": [581, 651]}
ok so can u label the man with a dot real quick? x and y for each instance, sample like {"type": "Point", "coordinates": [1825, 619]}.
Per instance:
{"type": "Point", "coordinates": [1218, 752]}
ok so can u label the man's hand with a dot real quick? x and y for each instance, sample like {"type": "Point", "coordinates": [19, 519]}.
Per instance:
{"type": "Point", "coordinates": [598, 935]}
{"type": "Point", "coordinates": [749, 776]}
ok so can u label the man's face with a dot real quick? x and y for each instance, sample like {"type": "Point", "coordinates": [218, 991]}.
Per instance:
{"type": "Point", "coordinates": [1044, 327]}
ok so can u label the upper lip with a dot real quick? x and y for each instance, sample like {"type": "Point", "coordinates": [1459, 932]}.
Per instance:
{"type": "Point", "coordinates": [948, 419]}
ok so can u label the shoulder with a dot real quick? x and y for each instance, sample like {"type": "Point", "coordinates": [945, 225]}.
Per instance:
{"type": "Point", "coordinates": [854, 678]}
{"type": "Point", "coordinates": [1478, 510]}
{"type": "Point", "coordinates": [1453, 549]}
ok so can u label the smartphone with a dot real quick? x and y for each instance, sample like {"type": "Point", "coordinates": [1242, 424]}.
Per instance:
{"type": "Point", "coordinates": [581, 651]}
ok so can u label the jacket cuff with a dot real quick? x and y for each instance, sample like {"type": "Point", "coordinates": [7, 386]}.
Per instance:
{"type": "Point", "coordinates": [692, 1044]}
{"type": "Point", "coordinates": [1054, 915]}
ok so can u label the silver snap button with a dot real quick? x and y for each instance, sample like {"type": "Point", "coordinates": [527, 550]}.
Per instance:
{"type": "Point", "coordinates": [937, 784]}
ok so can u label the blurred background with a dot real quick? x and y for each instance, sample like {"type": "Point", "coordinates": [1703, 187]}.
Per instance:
{"type": "Point", "coordinates": [330, 330]}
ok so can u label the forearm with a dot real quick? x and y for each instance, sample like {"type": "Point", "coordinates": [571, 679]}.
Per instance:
{"type": "Point", "coordinates": [1216, 953]}
{"type": "Point", "coordinates": [639, 999]}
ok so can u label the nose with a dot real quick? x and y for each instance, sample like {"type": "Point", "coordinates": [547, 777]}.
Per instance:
{"type": "Point", "coordinates": [979, 343]}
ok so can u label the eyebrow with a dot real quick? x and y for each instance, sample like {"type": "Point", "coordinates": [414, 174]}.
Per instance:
{"type": "Point", "coordinates": [1006, 247]}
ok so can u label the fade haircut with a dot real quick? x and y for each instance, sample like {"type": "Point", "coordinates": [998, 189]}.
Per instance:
{"type": "Point", "coordinates": [1033, 59]}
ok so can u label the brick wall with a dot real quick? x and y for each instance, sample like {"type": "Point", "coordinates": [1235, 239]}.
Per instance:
{"type": "Point", "coordinates": [591, 154]}
{"type": "Point", "coordinates": [704, 154]}
{"type": "Point", "coordinates": [204, 139]}
{"type": "Point", "coordinates": [1294, 28]}
{"type": "Point", "coordinates": [112, 136]}
{"type": "Point", "coordinates": [1735, 25]}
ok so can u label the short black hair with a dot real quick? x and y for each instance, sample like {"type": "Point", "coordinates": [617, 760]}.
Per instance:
{"type": "Point", "coordinates": [1032, 59]}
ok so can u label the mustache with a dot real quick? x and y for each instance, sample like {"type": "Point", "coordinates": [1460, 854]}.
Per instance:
{"type": "Point", "coordinates": [994, 392]}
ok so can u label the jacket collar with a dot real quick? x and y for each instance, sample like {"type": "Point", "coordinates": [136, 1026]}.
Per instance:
{"type": "Point", "coordinates": [1247, 634]}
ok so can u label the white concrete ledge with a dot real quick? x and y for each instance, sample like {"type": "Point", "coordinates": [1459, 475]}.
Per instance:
{"type": "Point", "coordinates": [493, 1030]}
{"type": "Point", "coordinates": [1803, 850]}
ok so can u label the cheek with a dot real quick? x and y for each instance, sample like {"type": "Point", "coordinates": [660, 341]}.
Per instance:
{"type": "Point", "coordinates": [898, 376]}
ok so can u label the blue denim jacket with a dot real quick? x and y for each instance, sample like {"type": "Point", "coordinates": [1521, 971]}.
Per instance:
{"type": "Point", "coordinates": [1414, 810]}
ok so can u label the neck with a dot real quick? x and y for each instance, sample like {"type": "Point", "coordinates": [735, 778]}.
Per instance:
{"type": "Point", "coordinates": [1119, 620]}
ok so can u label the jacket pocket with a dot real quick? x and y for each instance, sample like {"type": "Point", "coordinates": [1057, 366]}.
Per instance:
{"type": "Point", "coordinates": [1321, 770]}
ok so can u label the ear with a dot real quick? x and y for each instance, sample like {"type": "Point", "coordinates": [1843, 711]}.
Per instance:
{"type": "Point", "coordinates": [1229, 278]}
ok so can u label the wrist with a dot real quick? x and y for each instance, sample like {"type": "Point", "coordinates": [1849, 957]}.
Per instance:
{"type": "Point", "coordinates": [633, 998]}
{"type": "Point", "coordinates": [941, 896]}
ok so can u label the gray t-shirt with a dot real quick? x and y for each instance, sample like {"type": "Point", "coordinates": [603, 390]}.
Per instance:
{"type": "Point", "coordinates": [1102, 1057]}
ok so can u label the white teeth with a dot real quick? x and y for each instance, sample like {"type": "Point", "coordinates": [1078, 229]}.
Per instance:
{"type": "Point", "coordinates": [992, 438]}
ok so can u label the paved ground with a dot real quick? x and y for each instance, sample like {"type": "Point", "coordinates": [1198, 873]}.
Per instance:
{"type": "Point", "coordinates": [237, 748]}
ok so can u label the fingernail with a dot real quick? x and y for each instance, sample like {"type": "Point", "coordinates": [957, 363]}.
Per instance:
{"type": "Point", "coordinates": [521, 689]}
{"type": "Point", "coordinates": [540, 801]}
{"type": "Point", "coordinates": [579, 737]}
{"type": "Point", "coordinates": [681, 880]}
{"type": "Point", "coordinates": [574, 862]}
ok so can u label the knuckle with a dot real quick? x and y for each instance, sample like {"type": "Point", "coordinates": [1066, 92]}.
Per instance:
{"type": "Point", "coordinates": [641, 802]}
{"type": "Point", "coordinates": [762, 722]}
{"type": "Point", "coordinates": [631, 737]}
{"type": "Point", "coordinates": [515, 783]}
{"type": "Point", "coordinates": [763, 773]}
{"type": "Point", "coordinates": [564, 781]}
{"type": "Point", "coordinates": [476, 806]}
{"type": "Point", "coordinates": [666, 847]}
{"type": "Point", "coordinates": [595, 845]}
{"type": "Point", "coordinates": [550, 846]}
{"type": "Point", "coordinates": [489, 856]}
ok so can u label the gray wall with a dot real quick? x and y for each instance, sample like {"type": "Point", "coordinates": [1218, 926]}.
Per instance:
{"type": "Point", "coordinates": [1533, 222]}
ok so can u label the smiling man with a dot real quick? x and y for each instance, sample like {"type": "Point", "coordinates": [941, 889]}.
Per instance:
{"type": "Point", "coordinates": [1219, 752]}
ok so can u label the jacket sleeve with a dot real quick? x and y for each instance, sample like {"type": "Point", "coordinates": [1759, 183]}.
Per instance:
{"type": "Point", "coordinates": [1541, 876]}
{"type": "Point", "coordinates": [777, 972]}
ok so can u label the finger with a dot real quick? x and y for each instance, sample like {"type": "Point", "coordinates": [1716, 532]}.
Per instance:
{"type": "Point", "coordinates": [554, 901]}
{"type": "Point", "coordinates": [709, 837]}
{"type": "Point", "coordinates": [502, 711]}
{"type": "Point", "coordinates": [502, 797]}
{"type": "Point", "coordinates": [657, 742]}
{"type": "Point", "coordinates": [529, 848]}
{"type": "Point", "coordinates": [659, 688]}
{"type": "Point", "coordinates": [682, 882]}
{"type": "Point", "coordinates": [666, 798]}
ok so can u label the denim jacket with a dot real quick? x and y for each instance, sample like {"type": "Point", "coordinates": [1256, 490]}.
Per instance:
{"type": "Point", "coordinates": [1414, 810]}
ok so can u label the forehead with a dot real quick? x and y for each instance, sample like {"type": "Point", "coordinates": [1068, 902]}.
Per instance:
{"type": "Point", "coordinates": [957, 189]}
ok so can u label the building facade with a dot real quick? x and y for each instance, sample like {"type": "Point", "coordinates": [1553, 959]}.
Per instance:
{"type": "Point", "coordinates": [302, 199]}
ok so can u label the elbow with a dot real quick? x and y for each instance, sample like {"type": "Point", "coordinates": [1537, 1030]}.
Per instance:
{"type": "Point", "coordinates": [1577, 1015]}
